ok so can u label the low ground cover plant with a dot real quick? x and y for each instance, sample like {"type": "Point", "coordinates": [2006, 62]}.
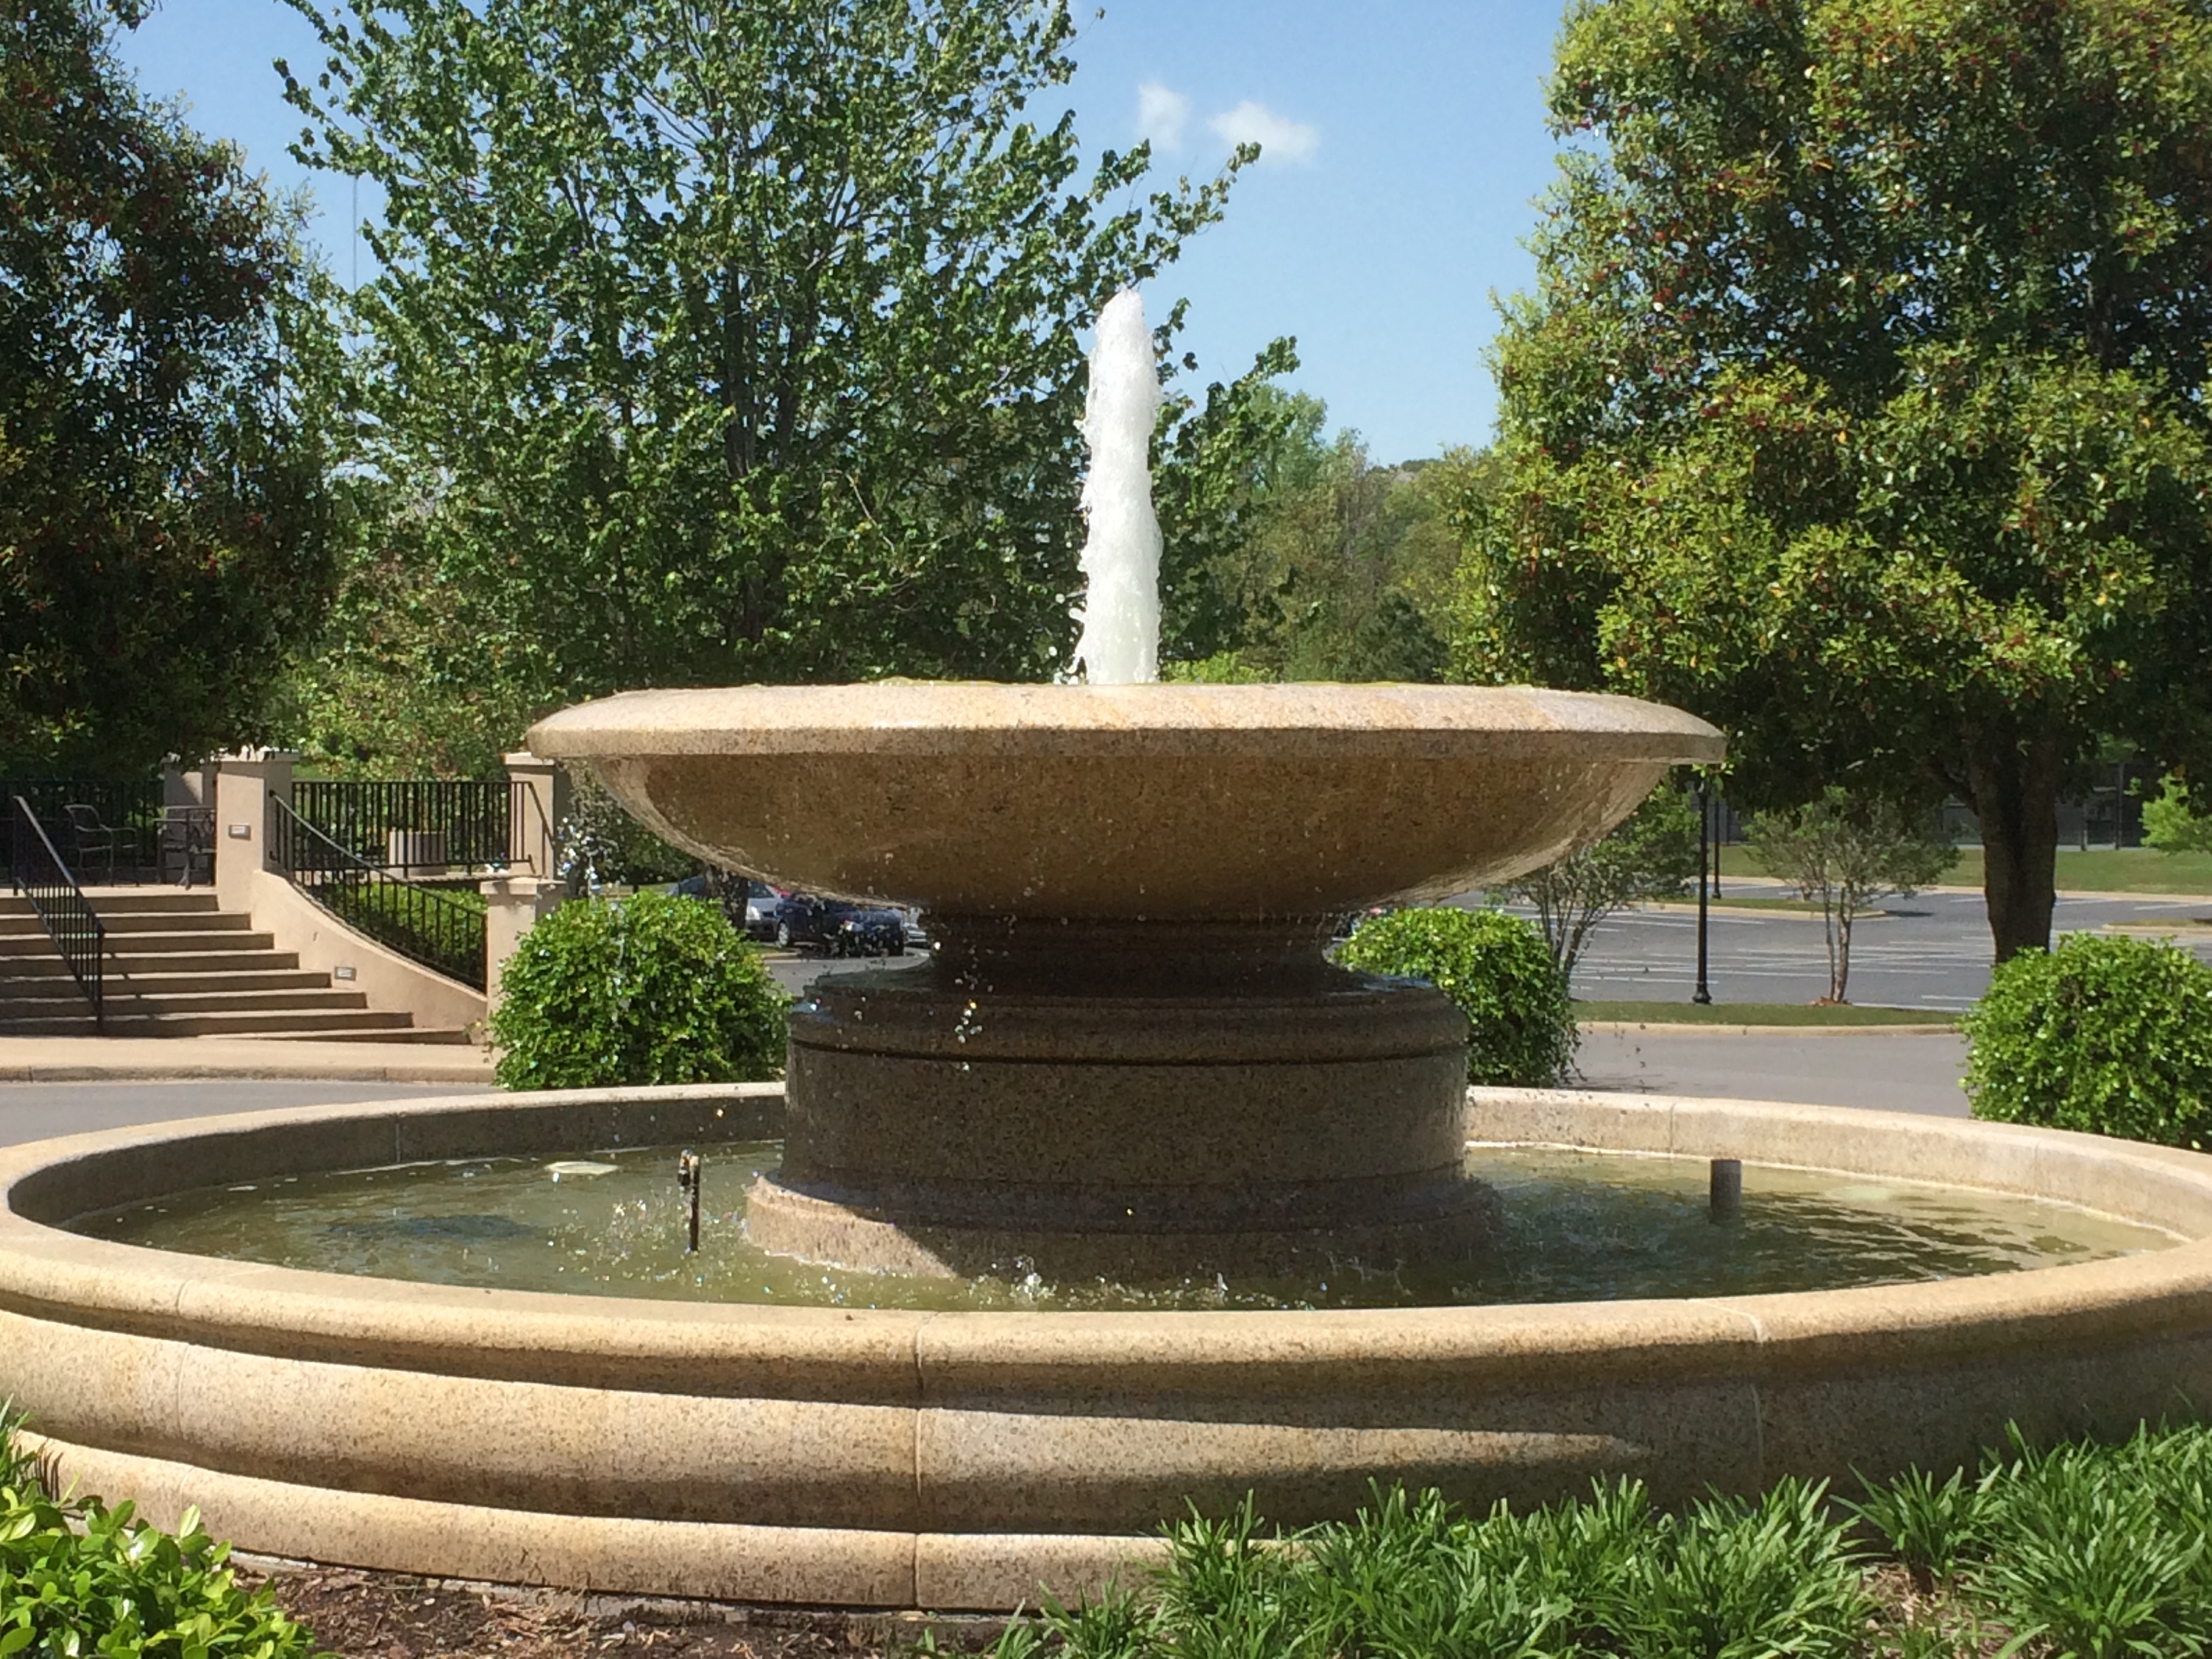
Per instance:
{"type": "Point", "coordinates": [1520, 1021]}
{"type": "Point", "coordinates": [79, 1577]}
{"type": "Point", "coordinates": [2109, 1036]}
{"type": "Point", "coordinates": [650, 988]}
{"type": "Point", "coordinates": [2081, 1551]}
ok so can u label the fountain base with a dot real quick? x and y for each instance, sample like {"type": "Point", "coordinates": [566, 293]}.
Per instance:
{"type": "Point", "coordinates": [1125, 1100]}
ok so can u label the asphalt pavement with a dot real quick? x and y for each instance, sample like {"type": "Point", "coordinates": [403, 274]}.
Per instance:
{"type": "Point", "coordinates": [1885, 1072]}
{"type": "Point", "coordinates": [1931, 951]}
{"type": "Point", "coordinates": [40, 1111]}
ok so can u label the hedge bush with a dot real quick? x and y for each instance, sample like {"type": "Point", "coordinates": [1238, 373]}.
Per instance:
{"type": "Point", "coordinates": [650, 988]}
{"type": "Point", "coordinates": [79, 1577]}
{"type": "Point", "coordinates": [1521, 1020]}
{"type": "Point", "coordinates": [2112, 1035]}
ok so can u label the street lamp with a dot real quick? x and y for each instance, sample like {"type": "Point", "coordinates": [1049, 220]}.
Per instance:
{"type": "Point", "coordinates": [1703, 994]}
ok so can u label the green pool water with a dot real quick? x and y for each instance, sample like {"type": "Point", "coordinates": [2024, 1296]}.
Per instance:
{"type": "Point", "coordinates": [1579, 1226]}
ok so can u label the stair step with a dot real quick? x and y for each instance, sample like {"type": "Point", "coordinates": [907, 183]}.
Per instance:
{"type": "Point", "coordinates": [370, 1022]}
{"type": "Point", "coordinates": [124, 898]}
{"type": "Point", "coordinates": [448, 1035]}
{"type": "Point", "coordinates": [24, 965]}
{"type": "Point", "coordinates": [140, 944]}
{"type": "Point", "coordinates": [159, 922]}
{"type": "Point", "coordinates": [137, 982]}
{"type": "Point", "coordinates": [135, 1002]}
{"type": "Point", "coordinates": [148, 901]}
{"type": "Point", "coordinates": [136, 962]}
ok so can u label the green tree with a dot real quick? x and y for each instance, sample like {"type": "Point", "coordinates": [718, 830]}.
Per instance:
{"type": "Point", "coordinates": [1650, 855]}
{"type": "Point", "coordinates": [1332, 568]}
{"type": "Point", "coordinates": [164, 526]}
{"type": "Point", "coordinates": [1846, 851]}
{"type": "Point", "coordinates": [1856, 404]}
{"type": "Point", "coordinates": [2170, 824]}
{"type": "Point", "coordinates": [736, 342]}
{"type": "Point", "coordinates": [407, 678]}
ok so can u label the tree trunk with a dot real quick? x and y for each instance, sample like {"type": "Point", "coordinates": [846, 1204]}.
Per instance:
{"type": "Point", "coordinates": [2015, 782]}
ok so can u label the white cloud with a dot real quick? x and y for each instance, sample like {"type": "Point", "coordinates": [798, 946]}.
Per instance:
{"type": "Point", "coordinates": [1162, 113]}
{"type": "Point", "coordinates": [1280, 138]}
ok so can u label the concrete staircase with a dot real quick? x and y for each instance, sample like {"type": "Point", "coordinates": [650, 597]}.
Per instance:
{"type": "Point", "coordinates": [177, 966]}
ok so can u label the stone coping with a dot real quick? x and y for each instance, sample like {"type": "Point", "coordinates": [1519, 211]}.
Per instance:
{"type": "Point", "coordinates": [916, 718]}
{"type": "Point", "coordinates": [964, 1459]}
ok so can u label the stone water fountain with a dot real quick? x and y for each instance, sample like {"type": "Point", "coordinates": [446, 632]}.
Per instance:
{"type": "Point", "coordinates": [1127, 1056]}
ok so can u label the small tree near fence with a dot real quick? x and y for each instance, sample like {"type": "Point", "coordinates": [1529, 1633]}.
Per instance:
{"type": "Point", "coordinates": [1842, 852]}
{"type": "Point", "coordinates": [1651, 854]}
{"type": "Point", "coordinates": [2170, 824]}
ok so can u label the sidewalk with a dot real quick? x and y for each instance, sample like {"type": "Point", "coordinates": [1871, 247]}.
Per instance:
{"type": "Point", "coordinates": [81, 1059]}
{"type": "Point", "coordinates": [1871, 1066]}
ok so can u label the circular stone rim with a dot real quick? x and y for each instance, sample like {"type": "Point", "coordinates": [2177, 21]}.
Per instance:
{"type": "Point", "coordinates": [856, 1457]}
{"type": "Point", "coordinates": [916, 717]}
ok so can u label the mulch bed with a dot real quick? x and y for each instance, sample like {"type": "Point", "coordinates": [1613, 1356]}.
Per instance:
{"type": "Point", "coordinates": [357, 1614]}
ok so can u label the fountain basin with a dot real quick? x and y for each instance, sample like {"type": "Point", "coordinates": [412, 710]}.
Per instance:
{"type": "Point", "coordinates": [1126, 1053]}
{"type": "Point", "coordinates": [868, 1458]}
{"type": "Point", "coordinates": [1112, 802]}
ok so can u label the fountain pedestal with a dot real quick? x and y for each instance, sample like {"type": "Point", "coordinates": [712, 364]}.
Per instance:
{"type": "Point", "coordinates": [1124, 1100]}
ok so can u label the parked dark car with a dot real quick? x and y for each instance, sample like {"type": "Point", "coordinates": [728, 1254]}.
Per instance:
{"type": "Point", "coordinates": [839, 927]}
{"type": "Point", "coordinates": [750, 905]}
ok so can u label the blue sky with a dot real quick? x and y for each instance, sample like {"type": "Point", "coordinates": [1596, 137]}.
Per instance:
{"type": "Point", "coordinates": [1408, 144]}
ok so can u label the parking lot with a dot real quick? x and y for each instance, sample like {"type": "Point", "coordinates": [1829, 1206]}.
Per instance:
{"type": "Point", "coordinates": [1929, 951]}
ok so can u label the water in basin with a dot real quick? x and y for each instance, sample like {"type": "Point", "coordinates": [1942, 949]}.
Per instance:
{"type": "Point", "coordinates": [1579, 1226]}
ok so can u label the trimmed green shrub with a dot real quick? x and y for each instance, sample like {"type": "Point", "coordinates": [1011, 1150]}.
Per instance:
{"type": "Point", "coordinates": [1521, 1022]}
{"type": "Point", "coordinates": [2112, 1035]}
{"type": "Point", "coordinates": [646, 989]}
{"type": "Point", "coordinates": [76, 1576]}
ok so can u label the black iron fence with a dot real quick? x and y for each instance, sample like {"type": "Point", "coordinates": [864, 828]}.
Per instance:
{"type": "Point", "coordinates": [106, 830]}
{"type": "Point", "coordinates": [421, 826]}
{"type": "Point", "coordinates": [442, 928]}
{"type": "Point", "coordinates": [37, 871]}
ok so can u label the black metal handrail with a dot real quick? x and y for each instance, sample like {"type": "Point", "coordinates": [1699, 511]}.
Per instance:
{"type": "Point", "coordinates": [441, 930]}
{"type": "Point", "coordinates": [38, 873]}
{"type": "Point", "coordinates": [416, 824]}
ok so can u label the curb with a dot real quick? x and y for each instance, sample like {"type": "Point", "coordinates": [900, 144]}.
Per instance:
{"type": "Point", "coordinates": [1687, 1028]}
{"type": "Point", "coordinates": [125, 1072]}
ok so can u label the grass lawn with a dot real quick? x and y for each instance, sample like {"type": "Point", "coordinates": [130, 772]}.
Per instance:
{"type": "Point", "coordinates": [1756, 1013]}
{"type": "Point", "coordinates": [2134, 870]}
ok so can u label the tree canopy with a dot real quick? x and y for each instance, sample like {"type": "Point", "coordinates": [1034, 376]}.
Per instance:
{"type": "Point", "coordinates": [735, 343]}
{"type": "Point", "coordinates": [1858, 406]}
{"type": "Point", "coordinates": [1318, 564]}
{"type": "Point", "coordinates": [163, 520]}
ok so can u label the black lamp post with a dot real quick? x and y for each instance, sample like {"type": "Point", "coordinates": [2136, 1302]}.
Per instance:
{"type": "Point", "coordinates": [1703, 994]}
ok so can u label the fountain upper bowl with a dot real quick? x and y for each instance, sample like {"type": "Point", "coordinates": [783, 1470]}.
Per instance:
{"type": "Point", "coordinates": [1159, 801]}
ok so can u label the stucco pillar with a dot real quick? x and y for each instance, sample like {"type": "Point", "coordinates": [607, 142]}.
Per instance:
{"type": "Point", "coordinates": [244, 784]}
{"type": "Point", "coordinates": [513, 906]}
{"type": "Point", "coordinates": [544, 798]}
{"type": "Point", "coordinates": [180, 787]}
